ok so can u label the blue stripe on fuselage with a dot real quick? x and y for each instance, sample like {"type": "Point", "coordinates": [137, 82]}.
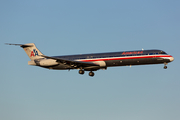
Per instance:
{"type": "Point", "coordinates": [111, 54]}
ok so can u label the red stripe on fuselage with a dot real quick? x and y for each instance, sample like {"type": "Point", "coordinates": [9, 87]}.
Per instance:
{"type": "Point", "coordinates": [125, 58]}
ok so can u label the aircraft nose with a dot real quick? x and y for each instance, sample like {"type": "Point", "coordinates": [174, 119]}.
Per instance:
{"type": "Point", "coordinates": [171, 58]}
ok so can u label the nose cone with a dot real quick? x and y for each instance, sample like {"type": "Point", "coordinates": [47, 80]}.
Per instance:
{"type": "Point", "coordinates": [171, 58]}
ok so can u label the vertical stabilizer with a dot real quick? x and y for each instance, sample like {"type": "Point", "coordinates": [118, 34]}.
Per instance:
{"type": "Point", "coordinates": [32, 51]}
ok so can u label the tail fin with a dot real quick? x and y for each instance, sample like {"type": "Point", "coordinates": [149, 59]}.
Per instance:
{"type": "Point", "coordinates": [31, 50]}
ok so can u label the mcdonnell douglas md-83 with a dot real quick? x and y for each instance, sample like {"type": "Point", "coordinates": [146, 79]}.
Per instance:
{"type": "Point", "coordinates": [95, 61]}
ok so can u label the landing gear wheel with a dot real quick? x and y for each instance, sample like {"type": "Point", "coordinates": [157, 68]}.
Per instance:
{"type": "Point", "coordinates": [91, 74]}
{"type": "Point", "coordinates": [165, 67]}
{"type": "Point", "coordinates": [81, 72]}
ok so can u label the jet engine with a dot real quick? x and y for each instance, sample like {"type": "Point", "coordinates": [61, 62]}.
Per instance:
{"type": "Point", "coordinates": [48, 62]}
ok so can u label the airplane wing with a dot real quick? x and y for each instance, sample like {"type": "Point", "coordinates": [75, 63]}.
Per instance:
{"type": "Point", "coordinates": [75, 64]}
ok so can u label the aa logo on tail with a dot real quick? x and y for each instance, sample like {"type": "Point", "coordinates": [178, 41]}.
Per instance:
{"type": "Point", "coordinates": [34, 53]}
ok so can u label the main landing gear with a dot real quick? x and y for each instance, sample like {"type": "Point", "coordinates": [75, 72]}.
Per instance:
{"type": "Point", "coordinates": [90, 73]}
{"type": "Point", "coordinates": [81, 72]}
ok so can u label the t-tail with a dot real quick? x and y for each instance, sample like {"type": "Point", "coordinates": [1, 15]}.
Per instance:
{"type": "Point", "coordinates": [31, 50]}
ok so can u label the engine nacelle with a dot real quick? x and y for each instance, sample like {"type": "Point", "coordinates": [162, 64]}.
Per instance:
{"type": "Point", "coordinates": [48, 62]}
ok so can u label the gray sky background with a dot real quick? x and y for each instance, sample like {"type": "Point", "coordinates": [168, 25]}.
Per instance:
{"type": "Point", "coordinates": [65, 27]}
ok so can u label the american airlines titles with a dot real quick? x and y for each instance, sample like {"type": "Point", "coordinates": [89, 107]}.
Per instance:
{"type": "Point", "coordinates": [134, 52]}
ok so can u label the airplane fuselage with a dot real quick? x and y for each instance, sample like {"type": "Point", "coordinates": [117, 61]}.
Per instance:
{"type": "Point", "coordinates": [96, 61]}
{"type": "Point", "coordinates": [126, 58]}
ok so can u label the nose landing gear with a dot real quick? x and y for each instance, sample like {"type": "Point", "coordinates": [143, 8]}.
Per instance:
{"type": "Point", "coordinates": [165, 67]}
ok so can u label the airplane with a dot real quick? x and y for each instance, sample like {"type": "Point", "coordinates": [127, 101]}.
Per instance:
{"type": "Point", "coordinates": [95, 61]}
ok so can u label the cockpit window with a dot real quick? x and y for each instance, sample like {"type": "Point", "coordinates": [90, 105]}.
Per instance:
{"type": "Point", "coordinates": [162, 52]}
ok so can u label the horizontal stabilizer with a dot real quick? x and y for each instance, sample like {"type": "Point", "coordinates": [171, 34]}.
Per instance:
{"type": "Point", "coordinates": [21, 45]}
